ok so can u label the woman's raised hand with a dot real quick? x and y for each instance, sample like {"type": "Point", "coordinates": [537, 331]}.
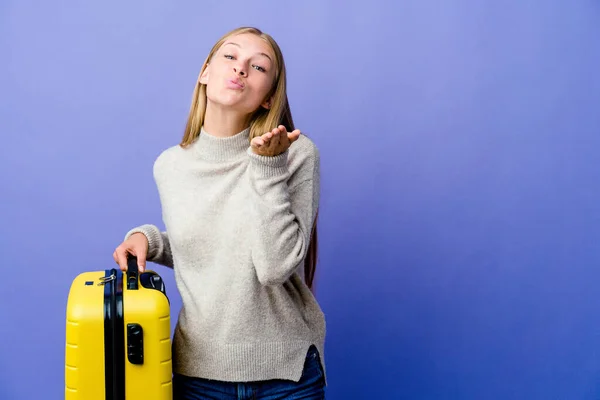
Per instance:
{"type": "Point", "coordinates": [275, 142]}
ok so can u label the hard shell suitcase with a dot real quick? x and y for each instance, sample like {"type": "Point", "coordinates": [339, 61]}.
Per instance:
{"type": "Point", "coordinates": [118, 342]}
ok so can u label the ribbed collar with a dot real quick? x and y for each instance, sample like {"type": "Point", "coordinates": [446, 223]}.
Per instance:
{"type": "Point", "coordinates": [217, 148]}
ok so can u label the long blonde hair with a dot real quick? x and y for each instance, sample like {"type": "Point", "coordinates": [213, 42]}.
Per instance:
{"type": "Point", "coordinates": [262, 121]}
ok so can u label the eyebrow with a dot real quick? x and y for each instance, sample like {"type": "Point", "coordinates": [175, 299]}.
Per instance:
{"type": "Point", "coordinates": [262, 54]}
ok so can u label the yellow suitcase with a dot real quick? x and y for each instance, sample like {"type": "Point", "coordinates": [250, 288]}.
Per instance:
{"type": "Point", "coordinates": [118, 336]}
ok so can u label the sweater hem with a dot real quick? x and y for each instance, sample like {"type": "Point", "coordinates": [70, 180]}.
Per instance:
{"type": "Point", "coordinates": [243, 362]}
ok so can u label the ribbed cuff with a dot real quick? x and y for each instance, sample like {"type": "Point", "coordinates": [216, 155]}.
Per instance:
{"type": "Point", "coordinates": [155, 243]}
{"type": "Point", "coordinates": [269, 166]}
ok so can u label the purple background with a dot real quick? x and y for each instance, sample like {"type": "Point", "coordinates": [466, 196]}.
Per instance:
{"type": "Point", "coordinates": [460, 212]}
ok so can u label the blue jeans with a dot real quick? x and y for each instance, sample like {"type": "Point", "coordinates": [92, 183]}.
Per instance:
{"type": "Point", "coordinates": [310, 387]}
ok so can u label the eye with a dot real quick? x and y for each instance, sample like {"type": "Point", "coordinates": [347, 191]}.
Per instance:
{"type": "Point", "coordinates": [229, 56]}
{"type": "Point", "coordinates": [259, 68]}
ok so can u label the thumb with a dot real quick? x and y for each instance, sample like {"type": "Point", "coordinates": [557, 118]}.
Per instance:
{"type": "Point", "coordinates": [294, 135]}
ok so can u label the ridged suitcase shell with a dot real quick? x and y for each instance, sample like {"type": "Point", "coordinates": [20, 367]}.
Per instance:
{"type": "Point", "coordinates": [118, 342]}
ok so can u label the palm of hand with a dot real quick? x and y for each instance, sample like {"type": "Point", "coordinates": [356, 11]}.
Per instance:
{"type": "Point", "coordinates": [275, 142]}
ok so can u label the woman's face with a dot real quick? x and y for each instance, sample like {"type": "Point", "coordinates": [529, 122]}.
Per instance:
{"type": "Point", "coordinates": [240, 74]}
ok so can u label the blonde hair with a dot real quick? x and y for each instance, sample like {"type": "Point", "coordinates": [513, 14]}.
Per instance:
{"type": "Point", "coordinates": [262, 120]}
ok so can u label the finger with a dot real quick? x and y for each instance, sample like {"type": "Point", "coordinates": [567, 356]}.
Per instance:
{"type": "Point", "coordinates": [122, 259]}
{"type": "Point", "coordinates": [275, 142]}
{"type": "Point", "coordinates": [294, 135]}
{"type": "Point", "coordinates": [282, 129]}
{"type": "Point", "coordinates": [141, 259]}
{"type": "Point", "coordinates": [284, 140]}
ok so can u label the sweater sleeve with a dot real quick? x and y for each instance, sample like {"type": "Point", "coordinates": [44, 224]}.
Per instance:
{"type": "Point", "coordinates": [159, 247]}
{"type": "Point", "coordinates": [283, 215]}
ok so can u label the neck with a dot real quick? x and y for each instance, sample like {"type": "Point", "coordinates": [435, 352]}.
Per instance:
{"type": "Point", "coordinates": [222, 122]}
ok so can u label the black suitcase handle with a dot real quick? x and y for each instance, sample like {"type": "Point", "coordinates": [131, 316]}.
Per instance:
{"type": "Point", "coordinates": [132, 273]}
{"type": "Point", "coordinates": [149, 280]}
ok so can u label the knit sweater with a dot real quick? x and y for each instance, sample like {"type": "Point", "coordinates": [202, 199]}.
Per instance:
{"type": "Point", "coordinates": [238, 227]}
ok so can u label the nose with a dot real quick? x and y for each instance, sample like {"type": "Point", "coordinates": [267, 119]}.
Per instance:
{"type": "Point", "coordinates": [239, 70]}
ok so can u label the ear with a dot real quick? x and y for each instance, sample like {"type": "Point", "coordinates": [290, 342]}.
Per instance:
{"type": "Point", "coordinates": [268, 103]}
{"type": "Point", "coordinates": [204, 76]}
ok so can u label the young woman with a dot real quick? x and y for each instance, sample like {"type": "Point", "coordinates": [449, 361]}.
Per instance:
{"type": "Point", "coordinates": [239, 199]}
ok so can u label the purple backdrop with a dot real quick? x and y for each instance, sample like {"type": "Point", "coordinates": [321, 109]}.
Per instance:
{"type": "Point", "coordinates": [460, 218]}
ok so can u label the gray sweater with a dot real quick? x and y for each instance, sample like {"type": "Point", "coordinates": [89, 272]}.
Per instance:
{"type": "Point", "coordinates": [237, 232]}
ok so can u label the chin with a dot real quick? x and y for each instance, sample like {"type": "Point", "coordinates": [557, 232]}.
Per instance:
{"type": "Point", "coordinates": [234, 104]}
